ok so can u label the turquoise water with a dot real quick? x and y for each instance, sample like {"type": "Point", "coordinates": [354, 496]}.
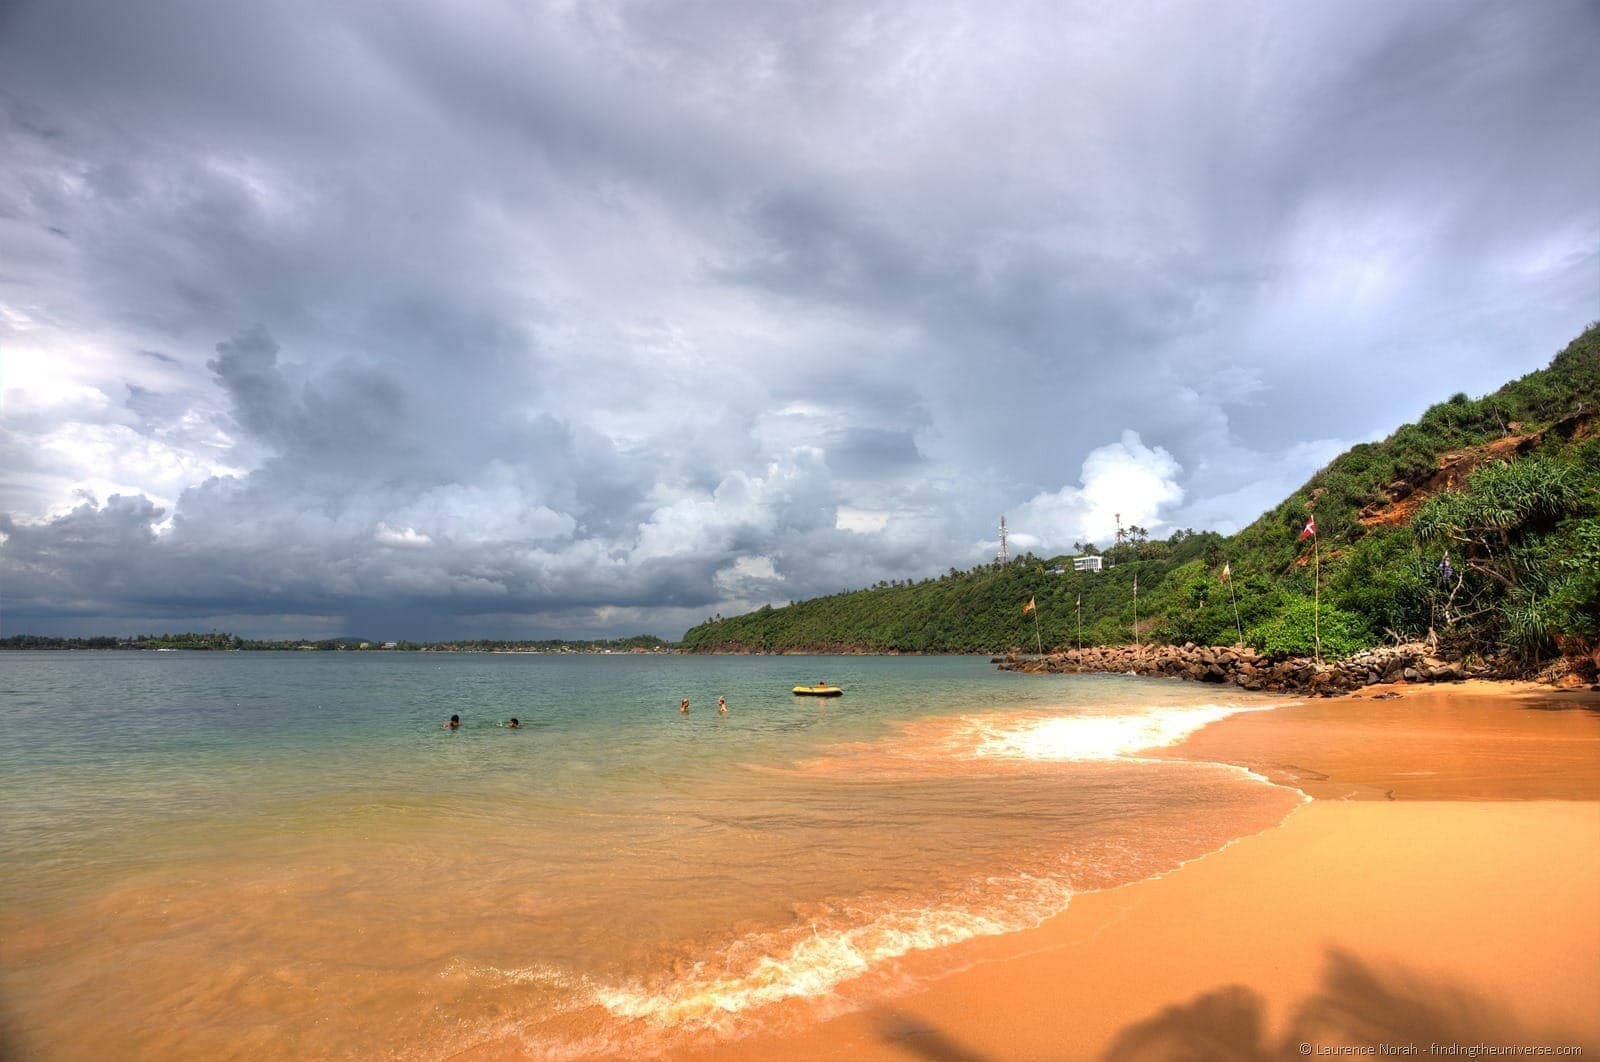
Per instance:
{"type": "Point", "coordinates": [611, 875]}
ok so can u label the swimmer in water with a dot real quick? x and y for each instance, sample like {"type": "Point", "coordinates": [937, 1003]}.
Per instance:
{"type": "Point", "coordinates": [684, 707]}
{"type": "Point", "coordinates": [513, 724]}
{"type": "Point", "coordinates": [454, 723]}
{"type": "Point", "coordinates": [722, 706]}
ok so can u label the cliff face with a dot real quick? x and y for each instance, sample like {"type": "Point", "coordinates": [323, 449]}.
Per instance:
{"type": "Point", "coordinates": [1403, 497]}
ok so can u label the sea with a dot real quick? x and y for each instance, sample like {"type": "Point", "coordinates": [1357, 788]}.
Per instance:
{"type": "Point", "coordinates": [274, 855]}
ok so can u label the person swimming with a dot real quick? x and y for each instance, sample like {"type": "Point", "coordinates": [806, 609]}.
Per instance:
{"type": "Point", "coordinates": [454, 723]}
{"type": "Point", "coordinates": [513, 724]}
{"type": "Point", "coordinates": [684, 707]}
{"type": "Point", "coordinates": [722, 706]}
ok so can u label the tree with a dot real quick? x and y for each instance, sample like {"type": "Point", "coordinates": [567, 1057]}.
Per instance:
{"type": "Point", "coordinates": [1504, 504]}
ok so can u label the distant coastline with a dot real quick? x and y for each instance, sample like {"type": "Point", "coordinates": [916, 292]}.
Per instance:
{"type": "Point", "coordinates": [225, 642]}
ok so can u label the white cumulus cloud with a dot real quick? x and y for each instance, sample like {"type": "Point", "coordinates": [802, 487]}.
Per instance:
{"type": "Point", "coordinates": [1126, 477]}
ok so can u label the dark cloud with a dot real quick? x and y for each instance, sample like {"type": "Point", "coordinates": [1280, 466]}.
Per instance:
{"type": "Point", "coordinates": [423, 319]}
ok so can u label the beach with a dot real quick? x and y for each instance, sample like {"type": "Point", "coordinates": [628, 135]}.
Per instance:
{"type": "Point", "coordinates": [208, 855]}
{"type": "Point", "coordinates": [1438, 895]}
{"type": "Point", "coordinates": [221, 855]}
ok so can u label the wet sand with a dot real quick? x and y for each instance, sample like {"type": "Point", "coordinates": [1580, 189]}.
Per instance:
{"type": "Point", "coordinates": [1442, 887]}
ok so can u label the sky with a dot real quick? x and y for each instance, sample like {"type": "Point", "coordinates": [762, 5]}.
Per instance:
{"type": "Point", "coordinates": [480, 319]}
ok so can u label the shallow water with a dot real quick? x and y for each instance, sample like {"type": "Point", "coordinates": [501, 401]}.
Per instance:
{"type": "Point", "coordinates": [214, 855]}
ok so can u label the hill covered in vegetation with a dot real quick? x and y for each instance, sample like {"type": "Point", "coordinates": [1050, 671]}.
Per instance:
{"type": "Point", "coordinates": [1508, 485]}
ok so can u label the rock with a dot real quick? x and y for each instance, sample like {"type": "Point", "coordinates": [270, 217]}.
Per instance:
{"type": "Point", "coordinates": [1243, 666]}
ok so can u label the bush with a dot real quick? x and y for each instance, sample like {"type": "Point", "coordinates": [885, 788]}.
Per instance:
{"type": "Point", "coordinates": [1384, 580]}
{"type": "Point", "coordinates": [1292, 632]}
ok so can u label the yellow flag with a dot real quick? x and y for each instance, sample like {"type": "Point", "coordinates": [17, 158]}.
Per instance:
{"type": "Point", "coordinates": [1028, 607]}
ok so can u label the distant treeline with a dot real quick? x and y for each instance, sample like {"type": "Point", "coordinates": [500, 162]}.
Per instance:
{"type": "Point", "coordinates": [222, 641]}
{"type": "Point", "coordinates": [1508, 486]}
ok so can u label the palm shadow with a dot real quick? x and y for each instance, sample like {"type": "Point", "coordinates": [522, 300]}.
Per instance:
{"type": "Point", "coordinates": [1354, 1004]}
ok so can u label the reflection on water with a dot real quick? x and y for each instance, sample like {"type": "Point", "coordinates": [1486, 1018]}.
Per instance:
{"type": "Point", "coordinates": [287, 856]}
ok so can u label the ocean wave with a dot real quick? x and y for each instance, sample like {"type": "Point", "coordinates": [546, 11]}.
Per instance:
{"type": "Point", "coordinates": [1085, 738]}
{"type": "Point", "coordinates": [810, 959]}
{"type": "Point", "coordinates": [809, 963]}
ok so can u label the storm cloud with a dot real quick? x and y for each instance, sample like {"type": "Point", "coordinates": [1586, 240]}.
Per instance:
{"type": "Point", "coordinates": [432, 320]}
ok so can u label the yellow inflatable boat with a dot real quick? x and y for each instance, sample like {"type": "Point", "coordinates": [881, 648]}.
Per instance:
{"type": "Point", "coordinates": [818, 691]}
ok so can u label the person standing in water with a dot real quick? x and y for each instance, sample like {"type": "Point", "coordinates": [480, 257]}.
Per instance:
{"type": "Point", "coordinates": [454, 723]}
{"type": "Point", "coordinates": [513, 724]}
{"type": "Point", "coordinates": [684, 707]}
{"type": "Point", "coordinates": [722, 706]}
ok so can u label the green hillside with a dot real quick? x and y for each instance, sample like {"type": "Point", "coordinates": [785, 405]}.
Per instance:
{"type": "Point", "coordinates": [1508, 484]}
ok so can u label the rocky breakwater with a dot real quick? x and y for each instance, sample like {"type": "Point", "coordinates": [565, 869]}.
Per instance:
{"type": "Point", "coordinates": [1244, 667]}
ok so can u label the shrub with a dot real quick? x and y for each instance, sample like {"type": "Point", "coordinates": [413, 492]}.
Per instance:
{"type": "Point", "coordinates": [1292, 632]}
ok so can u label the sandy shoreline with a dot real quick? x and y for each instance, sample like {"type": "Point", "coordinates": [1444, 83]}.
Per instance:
{"type": "Point", "coordinates": [1443, 887]}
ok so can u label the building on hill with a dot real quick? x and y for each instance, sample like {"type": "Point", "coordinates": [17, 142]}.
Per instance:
{"type": "Point", "coordinates": [1087, 564]}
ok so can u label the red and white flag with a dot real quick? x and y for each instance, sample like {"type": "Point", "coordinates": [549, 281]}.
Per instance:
{"type": "Point", "coordinates": [1310, 530]}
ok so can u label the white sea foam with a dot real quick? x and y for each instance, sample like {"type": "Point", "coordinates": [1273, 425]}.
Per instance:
{"type": "Point", "coordinates": [813, 961]}
{"type": "Point", "coordinates": [811, 966]}
{"type": "Point", "coordinates": [1091, 737]}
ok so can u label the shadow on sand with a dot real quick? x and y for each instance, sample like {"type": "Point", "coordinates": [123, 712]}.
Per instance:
{"type": "Point", "coordinates": [919, 1038]}
{"type": "Point", "coordinates": [1355, 1005]}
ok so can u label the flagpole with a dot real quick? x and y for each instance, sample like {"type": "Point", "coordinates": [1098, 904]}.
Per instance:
{"type": "Point", "coordinates": [1080, 623]}
{"type": "Point", "coordinates": [1316, 593]}
{"type": "Point", "coordinates": [1037, 642]}
{"type": "Point", "coordinates": [1235, 599]}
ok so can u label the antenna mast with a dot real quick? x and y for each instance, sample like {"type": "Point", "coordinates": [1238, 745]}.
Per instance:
{"type": "Point", "coordinates": [1004, 556]}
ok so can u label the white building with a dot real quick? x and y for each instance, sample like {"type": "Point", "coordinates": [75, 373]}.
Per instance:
{"type": "Point", "coordinates": [1086, 564]}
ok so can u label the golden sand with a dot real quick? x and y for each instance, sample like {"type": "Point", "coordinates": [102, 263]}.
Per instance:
{"type": "Point", "coordinates": [1456, 909]}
